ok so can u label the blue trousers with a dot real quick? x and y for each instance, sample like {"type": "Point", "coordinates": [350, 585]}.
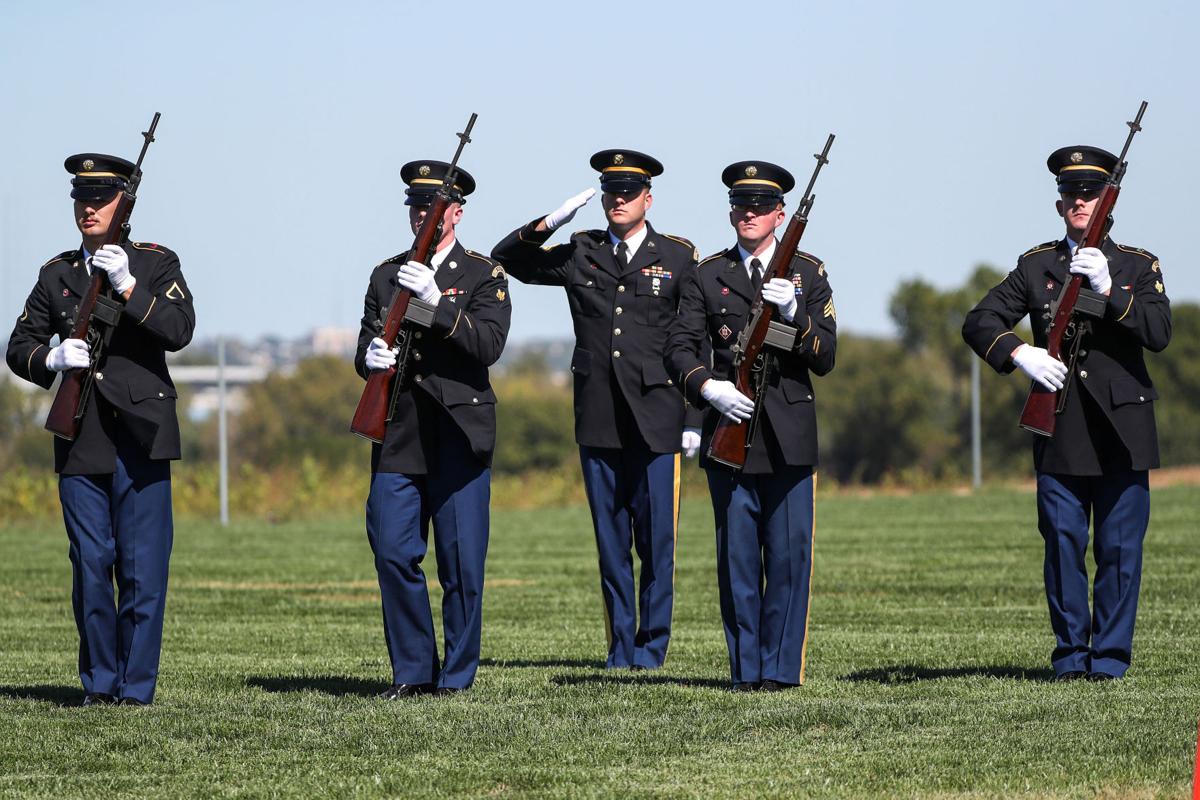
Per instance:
{"type": "Point", "coordinates": [454, 495]}
{"type": "Point", "coordinates": [633, 494]}
{"type": "Point", "coordinates": [119, 525]}
{"type": "Point", "coordinates": [764, 570]}
{"type": "Point", "coordinates": [1100, 639]}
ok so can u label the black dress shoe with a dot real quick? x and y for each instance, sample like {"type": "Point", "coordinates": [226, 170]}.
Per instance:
{"type": "Point", "coordinates": [446, 691]}
{"type": "Point", "coordinates": [1073, 675]}
{"type": "Point", "coordinates": [131, 701]}
{"type": "Point", "coordinates": [773, 686]}
{"type": "Point", "coordinates": [1100, 677]}
{"type": "Point", "coordinates": [398, 691]}
{"type": "Point", "coordinates": [98, 699]}
{"type": "Point", "coordinates": [744, 687]}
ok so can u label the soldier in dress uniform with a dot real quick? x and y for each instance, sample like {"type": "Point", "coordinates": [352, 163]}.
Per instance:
{"type": "Point", "coordinates": [764, 513]}
{"type": "Point", "coordinates": [115, 476]}
{"type": "Point", "coordinates": [1095, 467]}
{"type": "Point", "coordinates": [622, 284]}
{"type": "Point", "coordinates": [435, 461]}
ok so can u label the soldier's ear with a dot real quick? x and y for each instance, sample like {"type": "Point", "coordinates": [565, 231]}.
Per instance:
{"type": "Point", "coordinates": [1058, 206]}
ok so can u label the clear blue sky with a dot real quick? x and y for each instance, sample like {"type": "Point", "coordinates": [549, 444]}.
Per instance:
{"type": "Point", "coordinates": [276, 172]}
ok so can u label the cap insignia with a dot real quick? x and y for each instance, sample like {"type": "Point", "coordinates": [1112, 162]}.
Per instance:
{"type": "Point", "coordinates": [424, 171]}
{"type": "Point", "coordinates": [751, 171]}
{"type": "Point", "coordinates": [1076, 157]}
{"type": "Point", "coordinates": [88, 165]}
{"type": "Point", "coordinates": [618, 159]}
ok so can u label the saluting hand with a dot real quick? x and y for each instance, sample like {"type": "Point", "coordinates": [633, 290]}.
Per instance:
{"type": "Point", "coordinates": [113, 260]}
{"type": "Point", "coordinates": [71, 354]}
{"type": "Point", "coordinates": [782, 294]}
{"type": "Point", "coordinates": [725, 397]}
{"type": "Point", "coordinates": [1089, 261]}
{"type": "Point", "coordinates": [564, 213]}
{"type": "Point", "coordinates": [1040, 366]}
{"type": "Point", "coordinates": [418, 279]}
{"type": "Point", "coordinates": [379, 355]}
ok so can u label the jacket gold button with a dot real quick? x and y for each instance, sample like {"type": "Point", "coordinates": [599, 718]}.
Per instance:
{"type": "Point", "coordinates": [160, 394]}
{"type": "Point", "coordinates": [1083, 373]}
{"type": "Point", "coordinates": [616, 331]}
{"type": "Point", "coordinates": [620, 311]}
{"type": "Point", "coordinates": [1141, 399]}
{"type": "Point", "coordinates": [616, 353]}
{"type": "Point", "coordinates": [474, 399]}
{"type": "Point", "coordinates": [99, 376]}
{"type": "Point", "coordinates": [620, 288]}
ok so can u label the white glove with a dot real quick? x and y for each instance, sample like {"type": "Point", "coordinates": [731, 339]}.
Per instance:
{"type": "Point", "coordinates": [567, 210]}
{"type": "Point", "coordinates": [418, 279]}
{"type": "Point", "coordinates": [1089, 261]}
{"type": "Point", "coordinates": [724, 397]}
{"type": "Point", "coordinates": [690, 443]}
{"type": "Point", "coordinates": [782, 294]}
{"type": "Point", "coordinates": [1039, 365]}
{"type": "Point", "coordinates": [71, 354]}
{"type": "Point", "coordinates": [112, 259]}
{"type": "Point", "coordinates": [379, 355]}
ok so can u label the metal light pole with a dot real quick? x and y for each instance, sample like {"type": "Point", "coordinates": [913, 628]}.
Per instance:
{"type": "Point", "coordinates": [976, 443]}
{"type": "Point", "coordinates": [222, 432]}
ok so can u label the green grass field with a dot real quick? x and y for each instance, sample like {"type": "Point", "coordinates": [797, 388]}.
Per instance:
{"type": "Point", "coordinates": [928, 671]}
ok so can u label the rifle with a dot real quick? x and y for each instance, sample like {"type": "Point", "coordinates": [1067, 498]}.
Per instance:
{"type": "Point", "coordinates": [1068, 311]}
{"type": "Point", "coordinates": [752, 364]}
{"type": "Point", "coordinates": [379, 397]}
{"type": "Point", "coordinates": [96, 316]}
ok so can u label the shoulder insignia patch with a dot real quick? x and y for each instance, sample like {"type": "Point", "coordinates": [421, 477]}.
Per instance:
{"type": "Point", "coordinates": [175, 293]}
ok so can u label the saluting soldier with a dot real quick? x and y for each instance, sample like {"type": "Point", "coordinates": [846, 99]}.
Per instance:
{"type": "Point", "coordinates": [622, 284]}
{"type": "Point", "coordinates": [435, 461]}
{"type": "Point", "coordinates": [115, 476]}
{"type": "Point", "coordinates": [764, 513]}
{"type": "Point", "coordinates": [1095, 467]}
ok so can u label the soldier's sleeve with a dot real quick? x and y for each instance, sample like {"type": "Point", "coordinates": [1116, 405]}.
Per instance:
{"type": "Point", "coordinates": [163, 305]}
{"type": "Point", "coordinates": [368, 329]}
{"type": "Point", "coordinates": [30, 340]}
{"type": "Point", "coordinates": [480, 328]}
{"type": "Point", "coordinates": [988, 327]}
{"type": "Point", "coordinates": [693, 417]}
{"type": "Point", "coordinates": [1144, 309]}
{"type": "Point", "coordinates": [524, 257]}
{"type": "Point", "coordinates": [688, 353]}
{"type": "Point", "coordinates": [816, 323]}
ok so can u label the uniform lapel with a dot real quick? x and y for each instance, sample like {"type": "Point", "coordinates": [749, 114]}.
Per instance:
{"type": "Point", "coordinates": [1056, 267]}
{"type": "Point", "coordinates": [452, 269]}
{"type": "Point", "coordinates": [75, 277]}
{"type": "Point", "coordinates": [649, 253]}
{"type": "Point", "coordinates": [602, 255]}
{"type": "Point", "coordinates": [733, 275]}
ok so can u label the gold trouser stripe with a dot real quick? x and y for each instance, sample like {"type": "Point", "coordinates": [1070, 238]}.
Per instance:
{"type": "Point", "coordinates": [674, 538]}
{"type": "Point", "coordinates": [1127, 308]}
{"type": "Point", "coordinates": [29, 361]}
{"type": "Point", "coordinates": [808, 606]}
{"type": "Point", "coordinates": [993, 344]}
{"type": "Point", "coordinates": [153, 300]}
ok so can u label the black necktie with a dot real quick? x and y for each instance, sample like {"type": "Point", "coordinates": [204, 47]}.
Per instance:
{"type": "Point", "coordinates": [622, 253]}
{"type": "Point", "coordinates": [756, 277]}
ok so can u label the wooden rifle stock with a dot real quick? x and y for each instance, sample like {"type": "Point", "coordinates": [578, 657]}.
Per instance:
{"type": "Point", "coordinates": [731, 440]}
{"type": "Point", "coordinates": [1042, 406]}
{"type": "Point", "coordinates": [375, 405]}
{"type": "Point", "coordinates": [70, 402]}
